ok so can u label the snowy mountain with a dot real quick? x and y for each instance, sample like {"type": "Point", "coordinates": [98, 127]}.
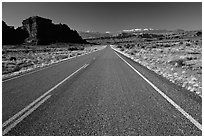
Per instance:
{"type": "Point", "coordinates": [138, 30]}
{"type": "Point", "coordinates": [91, 34]}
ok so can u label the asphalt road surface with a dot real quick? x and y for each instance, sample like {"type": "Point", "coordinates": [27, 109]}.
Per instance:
{"type": "Point", "coordinates": [102, 93]}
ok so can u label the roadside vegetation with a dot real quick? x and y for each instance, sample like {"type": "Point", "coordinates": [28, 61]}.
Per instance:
{"type": "Point", "coordinates": [18, 59]}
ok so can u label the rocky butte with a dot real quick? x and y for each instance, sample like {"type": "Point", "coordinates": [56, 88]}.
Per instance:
{"type": "Point", "coordinates": [43, 31]}
{"type": "Point", "coordinates": [39, 31]}
{"type": "Point", "coordinates": [12, 36]}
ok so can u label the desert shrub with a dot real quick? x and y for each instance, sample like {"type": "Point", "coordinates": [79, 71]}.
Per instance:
{"type": "Point", "coordinates": [194, 53]}
{"type": "Point", "coordinates": [149, 40]}
{"type": "Point", "coordinates": [199, 33]}
{"type": "Point", "coordinates": [119, 46]}
{"type": "Point", "coordinates": [12, 58]}
{"type": "Point", "coordinates": [6, 71]}
{"type": "Point", "coordinates": [25, 64]}
{"type": "Point", "coordinates": [191, 58]}
{"type": "Point", "coordinates": [81, 48]}
{"type": "Point", "coordinates": [62, 57]}
{"type": "Point", "coordinates": [142, 46]}
{"type": "Point", "coordinates": [17, 68]}
{"type": "Point", "coordinates": [26, 51]}
{"type": "Point", "coordinates": [188, 44]}
{"type": "Point", "coordinates": [154, 46]}
{"type": "Point", "coordinates": [129, 46]}
{"type": "Point", "coordinates": [72, 48]}
{"type": "Point", "coordinates": [177, 37]}
{"type": "Point", "coordinates": [167, 45]}
{"type": "Point", "coordinates": [78, 53]}
{"type": "Point", "coordinates": [133, 52]}
{"type": "Point", "coordinates": [177, 62]}
{"type": "Point", "coordinates": [21, 64]}
{"type": "Point", "coordinates": [122, 49]}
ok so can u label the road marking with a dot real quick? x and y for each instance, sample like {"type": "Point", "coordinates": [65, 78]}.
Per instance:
{"type": "Point", "coordinates": [85, 65]}
{"type": "Point", "coordinates": [7, 129]}
{"type": "Point", "coordinates": [189, 117]}
{"type": "Point", "coordinates": [42, 96]}
{"type": "Point", "coordinates": [54, 64]}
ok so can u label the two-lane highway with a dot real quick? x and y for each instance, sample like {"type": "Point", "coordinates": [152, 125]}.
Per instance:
{"type": "Point", "coordinates": [98, 94]}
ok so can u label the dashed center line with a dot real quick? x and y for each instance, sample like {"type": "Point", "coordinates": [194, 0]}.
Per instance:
{"type": "Point", "coordinates": [7, 129]}
{"type": "Point", "coordinates": [13, 121]}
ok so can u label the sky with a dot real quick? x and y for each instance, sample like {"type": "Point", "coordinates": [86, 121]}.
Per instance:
{"type": "Point", "coordinates": [113, 17]}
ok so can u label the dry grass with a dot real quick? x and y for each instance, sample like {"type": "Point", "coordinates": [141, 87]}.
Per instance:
{"type": "Point", "coordinates": [180, 62]}
{"type": "Point", "coordinates": [16, 61]}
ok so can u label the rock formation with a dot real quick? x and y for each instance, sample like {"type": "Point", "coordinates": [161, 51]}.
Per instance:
{"type": "Point", "coordinates": [12, 36]}
{"type": "Point", "coordinates": [43, 31]}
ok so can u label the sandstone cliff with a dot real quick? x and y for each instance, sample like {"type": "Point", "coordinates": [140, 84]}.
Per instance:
{"type": "Point", "coordinates": [43, 31]}
{"type": "Point", "coordinates": [12, 36]}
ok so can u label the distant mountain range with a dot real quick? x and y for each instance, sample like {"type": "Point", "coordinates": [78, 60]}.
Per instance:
{"type": "Point", "coordinates": [138, 30]}
{"type": "Point", "coordinates": [147, 32]}
{"type": "Point", "coordinates": [91, 34]}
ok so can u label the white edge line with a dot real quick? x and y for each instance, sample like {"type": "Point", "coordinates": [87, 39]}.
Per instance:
{"type": "Point", "coordinates": [6, 130]}
{"type": "Point", "coordinates": [34, 102]}
{"type": "Point", "coordinates": [54, 64]}
{"type": "Point", "coordinates": [86, 65]}
{"type": "Point", "coordinates": [189, 117]}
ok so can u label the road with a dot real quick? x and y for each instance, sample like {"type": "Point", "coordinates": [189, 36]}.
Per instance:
{"type": "Point", "coordinates": [98, 94]}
